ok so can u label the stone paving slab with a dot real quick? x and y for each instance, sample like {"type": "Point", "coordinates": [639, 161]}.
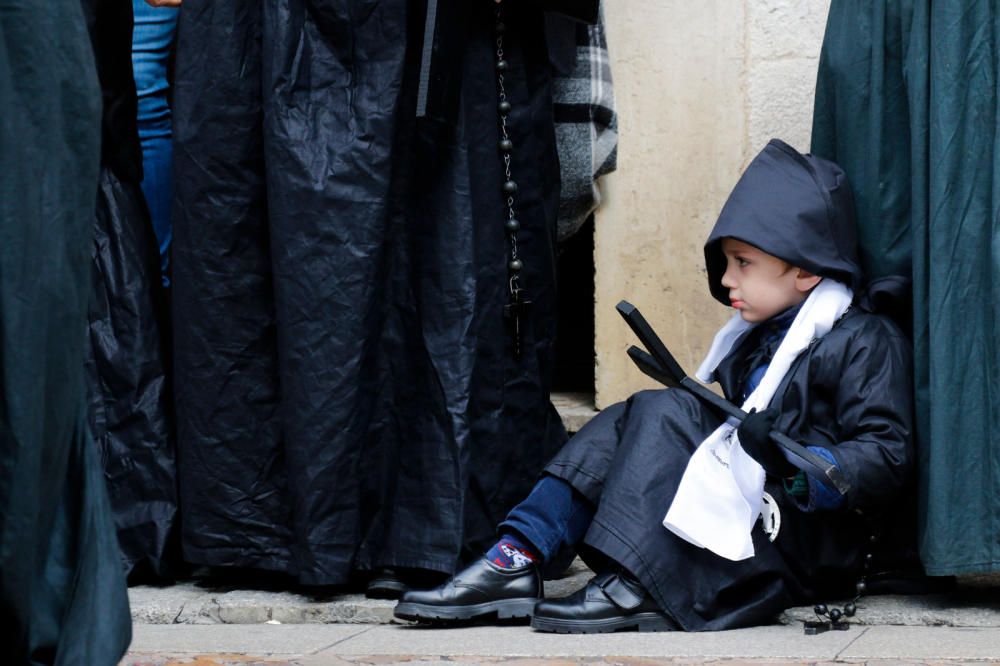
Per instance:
{"type": "Point", "coordinates": [926, 643]}
{"type": "Point", "coordinates": [328, 645]}
{"type": "Point", "coordinates": [482, 642]}
{"type": "Point", "coordinates": [771, 642]}
{"type": "Point", "coordinates": [424, 660]}
{"type": "Point", "coordinates": [249, 639]}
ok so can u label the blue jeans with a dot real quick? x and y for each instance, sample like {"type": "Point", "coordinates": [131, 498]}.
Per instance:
{"type": "Point", "coordinates": [553, 518]}
{"type": "Point", "coordinates": [151, 41]}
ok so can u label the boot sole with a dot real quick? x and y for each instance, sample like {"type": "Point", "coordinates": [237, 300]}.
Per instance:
{"type": "Point", "coordinates": [506, 609]}
{"type": "Point", "coordinates": [641, 622]}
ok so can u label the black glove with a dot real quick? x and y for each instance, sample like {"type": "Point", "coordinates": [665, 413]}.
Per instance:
{"type": "Point", "coordinates": [755, 437]}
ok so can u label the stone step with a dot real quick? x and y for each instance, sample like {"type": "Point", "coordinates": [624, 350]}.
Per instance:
{"type": "Point", "coordinates": [575, 409]}
{"type": "Point", "coordinates": [972, 604]}
{"type": "Point", "coordinates": [190, 602]}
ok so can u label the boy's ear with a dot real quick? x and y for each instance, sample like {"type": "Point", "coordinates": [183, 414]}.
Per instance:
{"type": "Point", "coordinates": [805, 281]}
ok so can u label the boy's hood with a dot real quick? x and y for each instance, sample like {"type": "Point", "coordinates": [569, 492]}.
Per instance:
{"type": "Point", "coordinates": [796, 207]}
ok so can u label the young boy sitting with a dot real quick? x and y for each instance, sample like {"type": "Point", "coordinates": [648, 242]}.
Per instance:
{"type": "Point", "coordinates": [661, 495]}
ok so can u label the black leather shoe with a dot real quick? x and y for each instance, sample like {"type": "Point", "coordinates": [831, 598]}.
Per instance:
{"type": "Point", "coordinates": [390, 583]}
{"type": "Point", "coordinates": [609, 602]}
{"type": "Point", "coordinates": [482, 588]}
{"type": "Point", "coordinates": [387, 584]}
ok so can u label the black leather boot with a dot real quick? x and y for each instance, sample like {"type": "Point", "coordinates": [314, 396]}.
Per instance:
{"type": "Point", "coordinates": [480, 589]}
{"type": "Point", "coordinates": [609, 602]}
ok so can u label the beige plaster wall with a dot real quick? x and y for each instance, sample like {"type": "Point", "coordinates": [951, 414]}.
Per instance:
{"type": "Point", "coordinates": [700, 87]}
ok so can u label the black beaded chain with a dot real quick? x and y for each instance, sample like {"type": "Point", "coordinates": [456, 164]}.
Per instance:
{"type": "Point", "coordinates": [517, 303]}
{"type": "Point", "coordinates": [838, 616]}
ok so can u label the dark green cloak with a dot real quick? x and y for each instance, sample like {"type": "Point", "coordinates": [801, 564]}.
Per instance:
{"type": "Point", "coordinates": [62, 594]}
{"type": "Point", "coordinates": [906, 102]}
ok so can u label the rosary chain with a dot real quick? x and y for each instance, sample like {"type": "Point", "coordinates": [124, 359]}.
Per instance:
{"type": "Point", "coordinates": [851, 607]}
{"type": "Point", "coordinates": [514, 265]}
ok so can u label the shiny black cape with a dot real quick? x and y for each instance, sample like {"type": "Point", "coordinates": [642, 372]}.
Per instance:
{"type": "Point", "coordinates": [347, 397]}
{"type": "Point", "coordinates": [850, 392]}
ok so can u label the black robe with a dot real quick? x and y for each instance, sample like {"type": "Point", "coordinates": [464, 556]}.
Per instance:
{"type": "Point", "coordinates": [346, 393]}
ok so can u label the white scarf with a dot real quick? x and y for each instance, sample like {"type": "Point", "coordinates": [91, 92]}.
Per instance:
{"type": "Point", "coordinates": [720, 494]}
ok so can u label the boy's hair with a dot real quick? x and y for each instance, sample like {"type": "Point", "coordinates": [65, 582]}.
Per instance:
{"type": "Point", "coordinates": [795, 207]}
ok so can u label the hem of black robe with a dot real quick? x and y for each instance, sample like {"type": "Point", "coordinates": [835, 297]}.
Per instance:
{"type": "Point", "coordinates": [234, 559]}
{"type": "Point", "coordinates": [986, 568]}
{"type": "Point", "coordinates": [427, 565]}
{"type": "Point", "coordinates": [582, 481]}
{"type": "Point", "coordinates": [147, 542]}
{"type": "Point", "coordinates": [238, 559]}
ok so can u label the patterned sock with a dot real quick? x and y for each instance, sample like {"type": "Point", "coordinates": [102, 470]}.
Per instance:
{"type": "Point", "coordinates": [511, 552]}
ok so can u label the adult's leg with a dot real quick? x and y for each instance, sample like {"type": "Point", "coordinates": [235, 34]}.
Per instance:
{"type": "Point", "coordinates": [152, 39]}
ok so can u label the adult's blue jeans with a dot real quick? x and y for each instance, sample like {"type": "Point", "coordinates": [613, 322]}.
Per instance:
{"type": "Point", "coordinates": [553, 518]}
{"type": "Point", "coordinates": [152, 38]}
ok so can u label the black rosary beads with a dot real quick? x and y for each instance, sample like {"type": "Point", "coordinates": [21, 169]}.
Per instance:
{"type": "Point", "coordinates": [838, 617]}
{"type": "Point", "coordinates": [837, 621]}
{"type": "Point", "coordinates": [518, 305]}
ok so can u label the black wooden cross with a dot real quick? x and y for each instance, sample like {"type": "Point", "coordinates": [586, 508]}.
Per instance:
{"type": "Point", "coordinates": [516, 308]}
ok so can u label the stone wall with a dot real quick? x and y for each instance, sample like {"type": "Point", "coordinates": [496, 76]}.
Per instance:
{"type": "Point", "coordinates": [700, 87]}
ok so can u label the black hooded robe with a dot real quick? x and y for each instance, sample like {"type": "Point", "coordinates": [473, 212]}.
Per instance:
{"type": "Point", "coordinates": [346, 393]}
{"type": "Point", "coordinates": [849, 392]}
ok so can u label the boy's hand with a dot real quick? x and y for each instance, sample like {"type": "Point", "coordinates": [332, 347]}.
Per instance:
{"type": "Point", "coordinates": [755, 437]}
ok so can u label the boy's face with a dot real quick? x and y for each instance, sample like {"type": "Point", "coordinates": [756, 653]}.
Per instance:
{"type": "Point", "coordinates": [761, 285]}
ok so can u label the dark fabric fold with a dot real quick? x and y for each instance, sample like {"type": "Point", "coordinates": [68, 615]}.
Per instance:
{"type": "Point", "coordinates": [131, 416]}
{"type": "Point", "coordinates": [129, 392]}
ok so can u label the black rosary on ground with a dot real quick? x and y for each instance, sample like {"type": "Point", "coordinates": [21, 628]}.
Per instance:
{"type": "Point", "coordinates": [838, 616]}
{"type": "Point", "coordinates": [518, 304]}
